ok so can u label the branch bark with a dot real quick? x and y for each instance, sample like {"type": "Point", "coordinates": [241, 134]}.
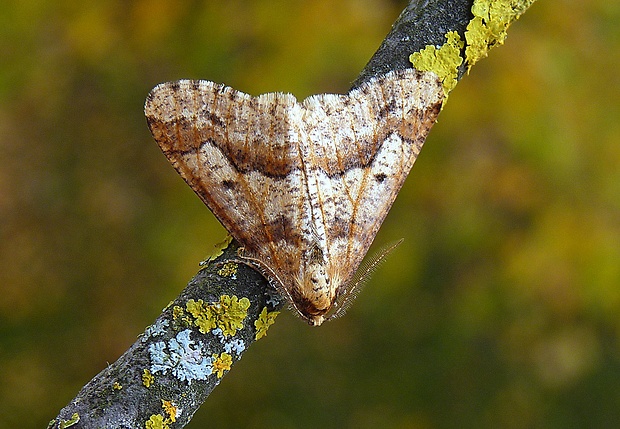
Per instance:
{"type": "Point", "coordinates": [421, 23]}
{"type": "Point", "coordinates": [167, 372]}
{"type": "Point", "coordinates": [164, 377]}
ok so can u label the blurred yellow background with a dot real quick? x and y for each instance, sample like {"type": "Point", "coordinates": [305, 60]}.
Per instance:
{"type": "Point", "coordinates": [500, 310]}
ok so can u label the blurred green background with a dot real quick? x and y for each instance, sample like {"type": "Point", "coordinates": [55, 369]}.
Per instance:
{"type": "Point", "coordinates": [501, 308]}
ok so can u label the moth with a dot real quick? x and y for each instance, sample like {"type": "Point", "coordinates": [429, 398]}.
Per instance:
{"type": "Point", "coordinates": [302, 186]}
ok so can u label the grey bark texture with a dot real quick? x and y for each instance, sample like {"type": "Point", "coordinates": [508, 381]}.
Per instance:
{"type": "Point", "coordinates": [421, 23]}
{"type": "Point", "coordinates": [117, 397]}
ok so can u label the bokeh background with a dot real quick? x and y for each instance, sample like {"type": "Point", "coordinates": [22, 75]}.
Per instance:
{"type": "Point", "coordinates": [500, 309]}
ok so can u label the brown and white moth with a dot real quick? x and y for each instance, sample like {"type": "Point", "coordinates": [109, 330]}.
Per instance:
{"type": "Point", "coordinates": [302, 186]}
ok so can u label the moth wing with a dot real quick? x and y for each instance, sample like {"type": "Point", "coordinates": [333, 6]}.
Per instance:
{"type": "Point", "coordinates": [240, 155]}
{"type": "Point", "coordinates": [365, 144]}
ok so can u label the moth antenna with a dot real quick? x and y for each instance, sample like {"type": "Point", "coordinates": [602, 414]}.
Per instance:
{"type": "Point", "coordinates": [360, 278]}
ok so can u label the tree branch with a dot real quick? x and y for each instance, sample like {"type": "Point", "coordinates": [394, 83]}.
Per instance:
{"type": "Point", "coordinates": [175, 364]}
{"type": "Point", "coordinates": [421, 23]}
{"type": "Point", "coordinates": [164, 377]}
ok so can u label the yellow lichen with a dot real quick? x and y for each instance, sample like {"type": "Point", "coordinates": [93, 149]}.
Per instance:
{"type": "Point", "coordinates": [157, 421]}
{"type": "Point", "coordinates": [231, 311]}
{"type": "Point", "coordinates": [228, 314]}
{"type": "Point", "coordinates": [170, 409]}
{"type": "Point", "coordinates": [229, 269]}
{"type": "Point", "coordinates": [264, 321]}
{"type": "Point", "coordinates": [147, 378]}
{"type": "Point", "coordinates": [489, 26]}
{"type": "Point", "coordinates": [219, 250]}
{"type": "Point", "coordinates": [444, 62]}
{"type": "Point", "coordinates": [178, 314]}
{"type": "Point", "coordinates": [221, 363]}
{"type": "Point", "coordinates": [203, 315]}
{"type": "Point", "coordinates": [117, 386]}
{"type": "Point", "coordinates": [63, 424]}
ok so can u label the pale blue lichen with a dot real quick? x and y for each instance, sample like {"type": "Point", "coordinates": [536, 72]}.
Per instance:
{"type": "Point", "coordinates": [273, 298]}
{"type": "Point", "coordinates": [156, 329]}
{"type": "Point", "coordinates": [236, 346]}
{"type": "Point", "coordinates": [184, 358]}
{"type": "Point", "coordinates": [217, 332]}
